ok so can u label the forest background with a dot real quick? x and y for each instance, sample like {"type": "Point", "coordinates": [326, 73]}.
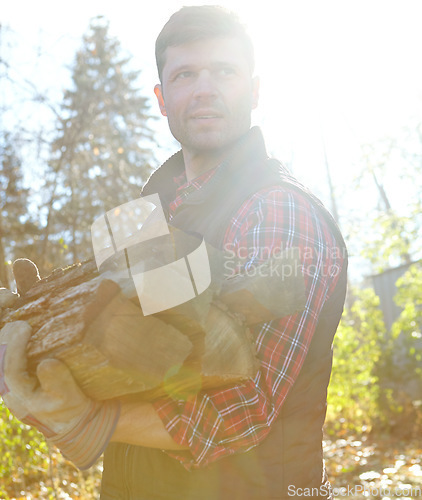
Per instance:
{"type": "Point", "coordinates": [73, 148]}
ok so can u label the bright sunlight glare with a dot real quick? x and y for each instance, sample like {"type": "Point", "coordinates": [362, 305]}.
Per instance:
{"type": "Point", "coordinates": [334, 74]}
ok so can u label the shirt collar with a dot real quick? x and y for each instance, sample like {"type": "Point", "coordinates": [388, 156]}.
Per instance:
{"type": "Point", "coordinates": [251, 144]}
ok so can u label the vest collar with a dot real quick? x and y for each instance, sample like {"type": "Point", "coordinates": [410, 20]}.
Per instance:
{"type": "Point", "coordinates": [249, 150]}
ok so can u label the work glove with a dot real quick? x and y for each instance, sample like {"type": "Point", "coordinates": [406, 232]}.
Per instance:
{"type": "Point", "coordinates": [7, 299]}
{"type": "Point", "coordinates": [52, 401]}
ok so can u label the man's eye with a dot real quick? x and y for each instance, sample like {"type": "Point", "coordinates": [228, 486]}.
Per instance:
{"type": "Point", "coordinates": [227, 71]}
{"type": "Point", "coordinates": [183, 75]}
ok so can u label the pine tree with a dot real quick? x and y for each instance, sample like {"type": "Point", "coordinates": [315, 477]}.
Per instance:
{"type": "Point", "coordinates": [13, 206]}
{"type": "Point", "coordinates": [103, 153]}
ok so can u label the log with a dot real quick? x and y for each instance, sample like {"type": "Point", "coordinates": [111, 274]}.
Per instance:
{"type": "Point", "coordinates": [122, 352]}
{"type": "Point", "coordinates": [268, 290]}
{"type": "Point", "coordinates": [113, 350]}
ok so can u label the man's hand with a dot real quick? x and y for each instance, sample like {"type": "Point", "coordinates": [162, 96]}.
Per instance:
{"type": "Point", "coordinates": [7, 298]}
{"type": "Point", "coordinates": [52, 402]}
{"type": "Point", "coordinates": [53, 399]}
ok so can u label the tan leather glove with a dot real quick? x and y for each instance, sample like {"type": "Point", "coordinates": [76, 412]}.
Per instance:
{"type": "Point", "coordinates": [7, 298]}
{"type": "Point", "coordinates": [52, 401]}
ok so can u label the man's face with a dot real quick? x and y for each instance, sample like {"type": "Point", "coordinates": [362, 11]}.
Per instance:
{"type": "Point", "coordinates": [207, 93]}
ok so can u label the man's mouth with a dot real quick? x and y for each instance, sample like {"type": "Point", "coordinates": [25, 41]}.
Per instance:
{"type": "Point", "coordinates": [206, 115]}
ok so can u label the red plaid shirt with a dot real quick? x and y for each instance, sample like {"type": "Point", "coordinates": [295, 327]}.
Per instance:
{"type": "Point", "coordinates": [222, 422]}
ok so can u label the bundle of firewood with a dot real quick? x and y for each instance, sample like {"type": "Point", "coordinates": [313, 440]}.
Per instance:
{"type": "Point", "coordinates": [113, 350]}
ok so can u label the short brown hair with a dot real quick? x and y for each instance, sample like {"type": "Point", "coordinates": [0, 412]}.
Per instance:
{"type": "Point", "coordinates": [194, 23]}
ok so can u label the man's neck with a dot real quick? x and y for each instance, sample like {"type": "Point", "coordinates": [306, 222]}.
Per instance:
{"type": "Point", "coordinates": [198, 163]}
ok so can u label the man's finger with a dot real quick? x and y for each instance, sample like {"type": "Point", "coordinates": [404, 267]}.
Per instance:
{"type": "Point", "coordinates": [7, 298]}
{"type": "Point", "coordinates": [15, 337]}
{"type": "Point", "coordinates": [22, 329]}
{"type": "Point", "coordinates": [56, 380]}
{"type": "Point", "coordinates": [16, 405]}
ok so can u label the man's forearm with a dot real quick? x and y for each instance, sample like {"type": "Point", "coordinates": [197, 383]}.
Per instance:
{"type": "Point", "coordinates": [139, 424]}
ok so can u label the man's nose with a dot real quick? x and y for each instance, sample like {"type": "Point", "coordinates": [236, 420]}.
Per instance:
{"type": "Point", "coordinates": [205, 85]}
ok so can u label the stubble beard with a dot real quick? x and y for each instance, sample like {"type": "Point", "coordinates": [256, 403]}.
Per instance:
{"type": "Point", "coordinates": [208, 141]}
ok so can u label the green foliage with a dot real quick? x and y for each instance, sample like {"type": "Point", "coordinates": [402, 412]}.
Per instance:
{"type": "Point", "coordinates": [23, 453]}
{"type": "Point", "coordinates": [30, 468]}
{"type": "Point", "coordinates": [400, 371]}
{"type": "Point", "coordinates": [392, 240]}
{"type": "Point", "coordinates": [353, 390]}
{"type": "Point", "coordinates": [377, 375]}
{"type": "Point", "coordinates": [409, 324]}
{"type": "Point", "coordinates": [409, 297]}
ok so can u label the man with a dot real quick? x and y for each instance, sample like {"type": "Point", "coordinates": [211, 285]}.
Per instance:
{"type": "Point", "coordinates": [261, 439]}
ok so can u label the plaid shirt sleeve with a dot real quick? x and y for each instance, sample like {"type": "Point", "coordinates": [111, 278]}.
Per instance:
{"type": "Point", "coordinates": [219, 422]}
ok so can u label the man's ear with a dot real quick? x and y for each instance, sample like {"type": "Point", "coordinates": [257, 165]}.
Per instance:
{"type": "Point", "coordinates": [158, 92]}
{"type": "Point", "coordinates": [255, 92]}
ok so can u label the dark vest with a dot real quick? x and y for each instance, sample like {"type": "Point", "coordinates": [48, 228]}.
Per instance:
{"type": "Point", "coordinates": [290, 457]}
